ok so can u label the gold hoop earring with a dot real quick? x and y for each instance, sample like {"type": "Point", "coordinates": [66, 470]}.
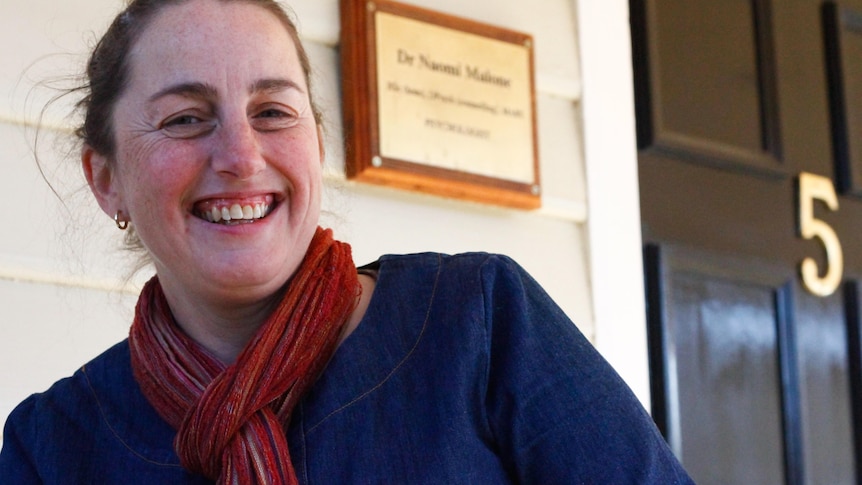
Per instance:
{"type": "Point", "coordinates": [122, 224]}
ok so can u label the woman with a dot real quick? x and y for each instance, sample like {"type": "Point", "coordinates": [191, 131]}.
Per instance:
{"type": "Point", "coordinates": [201, 140]}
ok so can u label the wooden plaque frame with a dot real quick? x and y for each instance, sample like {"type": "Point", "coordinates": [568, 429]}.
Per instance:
{"type": "Point", "coordinates": [465, 118]}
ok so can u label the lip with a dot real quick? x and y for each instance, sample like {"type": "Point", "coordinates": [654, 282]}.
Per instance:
{"type": "Point", "coordinates": [241, 208]}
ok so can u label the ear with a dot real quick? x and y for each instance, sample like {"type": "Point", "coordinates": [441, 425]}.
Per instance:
{"type": "Point", "coordinates": [100, 177]}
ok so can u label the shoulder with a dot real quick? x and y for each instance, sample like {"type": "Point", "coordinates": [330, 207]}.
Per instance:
{"type": "Point", "coordinates": [474, 269]}
{"type": "Point", "coordinates": [56, 419]}
{"type": "Point", "coordinates": [68, 396]}
{"type": "Point", "coordinates": [69, 401]}
{"type": "Point", "coordinates": [450, 262]}
{"type": "Point", "coordinates": [97, 419]}
{"type": "Point", "coordinates": [464, 287]}
{"type": "Point", "coordinates": [477, 291]}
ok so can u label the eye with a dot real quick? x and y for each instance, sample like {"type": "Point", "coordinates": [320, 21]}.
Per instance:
{"type": "Point", "coordinates": [274, 118]}
{"type": "Point", "coordinates": [272, 113]}
{"type": "Point", "coordinates": [183, 120]}
{"type": "Point", "coordinates": [187, 125]}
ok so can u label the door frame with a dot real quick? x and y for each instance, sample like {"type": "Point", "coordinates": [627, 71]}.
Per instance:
{"type": "Point", "coordinates": [611, 164]}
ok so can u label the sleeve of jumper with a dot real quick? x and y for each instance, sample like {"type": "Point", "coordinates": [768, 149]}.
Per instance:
{"type": "Point", "coordinates": [16, 463]}
{"type": "Point", "coordinates": [558, 412]}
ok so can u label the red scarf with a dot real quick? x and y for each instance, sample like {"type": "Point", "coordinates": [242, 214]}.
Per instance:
{"type": "Point", "coordinates": [231, 420]}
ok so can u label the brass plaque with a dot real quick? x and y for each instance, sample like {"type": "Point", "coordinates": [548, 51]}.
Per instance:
{"type": "Point", "coordinates": [450, 104]}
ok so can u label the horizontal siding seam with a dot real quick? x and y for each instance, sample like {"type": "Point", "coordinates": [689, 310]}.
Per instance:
{"type": "Point", "coordinates": [23, 275]}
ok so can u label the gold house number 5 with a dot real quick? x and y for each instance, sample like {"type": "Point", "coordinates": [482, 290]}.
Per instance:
{"type": "Point", "coordinates": [813, 187]}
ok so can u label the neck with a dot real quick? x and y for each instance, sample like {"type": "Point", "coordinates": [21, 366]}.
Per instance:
{"type": "Point", "coordinates": [222, 329]}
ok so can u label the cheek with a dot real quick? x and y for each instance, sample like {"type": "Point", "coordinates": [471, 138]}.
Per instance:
{"type": "Point", "coordinates": [299, 159]}
{"type": "Point", "coordinates": [149, 172]}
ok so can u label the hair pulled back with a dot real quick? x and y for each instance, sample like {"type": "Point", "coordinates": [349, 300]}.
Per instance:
{"type": "Point", "coordinates": [108, 67]}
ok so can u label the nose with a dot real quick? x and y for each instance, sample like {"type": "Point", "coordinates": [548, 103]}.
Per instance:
{"type": "Point", "coordinates": [237, 152]}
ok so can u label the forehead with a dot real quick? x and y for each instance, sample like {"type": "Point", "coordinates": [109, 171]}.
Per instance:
{"type": "Point", "coordinates": [208, 41]}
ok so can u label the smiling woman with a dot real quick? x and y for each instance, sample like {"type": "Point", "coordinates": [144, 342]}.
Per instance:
{"type": "Point", "coordinates": [195, 133]}
{"type": "Point", "coordinates": [259, 353]}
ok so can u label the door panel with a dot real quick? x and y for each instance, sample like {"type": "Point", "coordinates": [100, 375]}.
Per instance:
{"type": "Point", "coordinates": [842, 29]}
{"type": "Point", "coordinates": [751, 381]}
{"type": "Point", "coordinates": [853, 304]}
{"type": "Point", "coordinates": [721, 331]}
{"type": "Point", "coordinates": [826, 405]}
{"type": "Point", "coordinates": [708, 57]}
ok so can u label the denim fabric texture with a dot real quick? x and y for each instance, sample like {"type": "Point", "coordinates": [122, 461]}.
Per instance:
{"type": "Point", "coordinates": [463, 371]}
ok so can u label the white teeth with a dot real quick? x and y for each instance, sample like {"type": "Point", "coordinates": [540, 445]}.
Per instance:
{"type": "Point", "coordinates": [236, 212]}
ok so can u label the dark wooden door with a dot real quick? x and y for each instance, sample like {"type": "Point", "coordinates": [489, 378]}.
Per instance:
{"type": "Point", "coordinates": [755, 377]}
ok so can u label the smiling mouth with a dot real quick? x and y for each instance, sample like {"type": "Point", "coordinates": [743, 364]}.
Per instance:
{"type": "Point", "coordinates": [227, 212]}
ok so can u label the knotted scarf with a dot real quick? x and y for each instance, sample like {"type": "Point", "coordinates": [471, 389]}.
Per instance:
{"type": "Point", "coordinates": [231, 420]}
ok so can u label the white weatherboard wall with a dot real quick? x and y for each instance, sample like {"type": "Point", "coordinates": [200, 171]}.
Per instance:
{"type": "Point", "coordinates": [62, 293]}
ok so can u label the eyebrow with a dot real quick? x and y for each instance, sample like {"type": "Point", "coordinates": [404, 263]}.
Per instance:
{"type": "Point", "coordinates": [207, 91]}
{"type": "Point", "coordinates": [187, 90]}
{"type": "Point", "coordinates": [274, 85]}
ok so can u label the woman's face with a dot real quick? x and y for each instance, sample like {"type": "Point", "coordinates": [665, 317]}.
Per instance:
{"type": "Point", "coordinates": [218, 160]}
